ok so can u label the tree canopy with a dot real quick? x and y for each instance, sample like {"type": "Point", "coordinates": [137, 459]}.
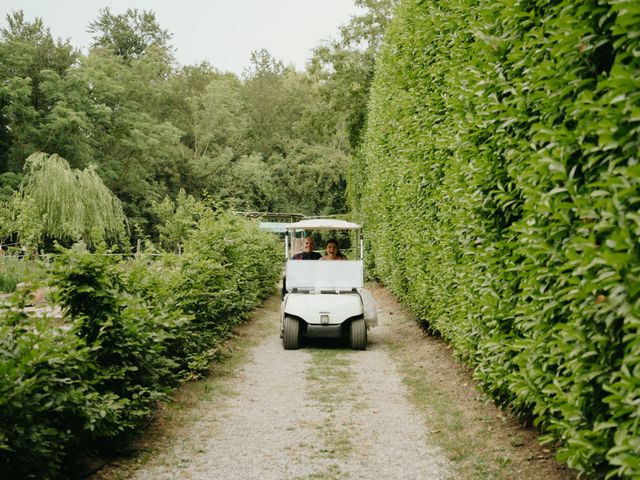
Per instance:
{"type": "Point", "coordinates": [273, 139]}
{"type": "Point", "coordinates": [57, 202]}
{"type": "Point", "coordinates": [130, 34]}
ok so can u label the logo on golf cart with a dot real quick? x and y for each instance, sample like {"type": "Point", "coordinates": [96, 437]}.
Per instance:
{"type": "Point", "coordinates": [324, 318]}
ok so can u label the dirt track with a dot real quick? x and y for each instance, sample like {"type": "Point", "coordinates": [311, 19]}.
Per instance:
{"type": "Point", "coordinates": [326, 412]}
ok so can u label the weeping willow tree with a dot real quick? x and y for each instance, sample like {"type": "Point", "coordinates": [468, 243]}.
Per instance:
{"type": "Point", "coordinates": [57, 202]}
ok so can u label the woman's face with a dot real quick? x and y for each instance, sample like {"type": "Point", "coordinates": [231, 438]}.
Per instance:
{"type": "Point", "coordinates": [332, 248]}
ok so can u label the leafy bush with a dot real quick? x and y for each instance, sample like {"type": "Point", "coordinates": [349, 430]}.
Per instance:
{"type": "Point", "coordinates": [152, 279]}
{"type": "Point", "coordinates": [217, 296]}
{"type": "Point", "coordinates": [14, 270]}
{"type": "Point", "coordinates": [124, 337]}
{"type": "Point", "coordinates": [132, 330]}
{"type": "Point", "coordinates": [48, 406]}
{"type": "Point", "coordinates": [500, 183]}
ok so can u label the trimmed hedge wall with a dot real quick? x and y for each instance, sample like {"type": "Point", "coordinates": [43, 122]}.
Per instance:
{"type": "Point", "coordinates": [500, 185]}
{"type": "Point", "coordinates": [133, 330]}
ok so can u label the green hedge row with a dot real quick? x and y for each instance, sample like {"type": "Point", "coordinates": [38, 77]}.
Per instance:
{"type": "Point", "coordinates": [133, 330]}
{"type": "Point", "coordinates": [500, 185]}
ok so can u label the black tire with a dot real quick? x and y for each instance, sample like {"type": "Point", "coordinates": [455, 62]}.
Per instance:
{"type": "Point", "coordinates": [291, 333]}
{"type": "Point", "coordinates": [358, 337]}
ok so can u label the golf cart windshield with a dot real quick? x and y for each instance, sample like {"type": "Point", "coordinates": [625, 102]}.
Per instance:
{"type": "Point", "coordinates": [296, 232]}
{"type": "Point", "coordinates": [324, 275]}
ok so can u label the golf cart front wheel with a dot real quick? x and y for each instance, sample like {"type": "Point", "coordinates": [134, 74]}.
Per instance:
{"type": "Point", "coordinates": [291, 333]}
{"type": "Point", "coordinates": [358, 337]}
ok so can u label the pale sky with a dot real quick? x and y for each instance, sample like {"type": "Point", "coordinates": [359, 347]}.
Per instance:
{"type": "Point", "coordinates": [222, 32]}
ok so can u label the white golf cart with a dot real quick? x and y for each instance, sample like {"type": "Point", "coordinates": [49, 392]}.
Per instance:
{"type": "Point", "coordinates": [325, 298]}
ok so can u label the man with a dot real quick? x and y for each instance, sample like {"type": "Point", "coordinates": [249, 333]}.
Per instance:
{"type": "Point", "coordinates": [307, 253]}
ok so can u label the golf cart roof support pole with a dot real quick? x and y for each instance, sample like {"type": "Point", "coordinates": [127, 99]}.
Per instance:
{"type": "Point", "coordinates": [286, 244]}
{"type": "Point", "coordinates": [361, 246]}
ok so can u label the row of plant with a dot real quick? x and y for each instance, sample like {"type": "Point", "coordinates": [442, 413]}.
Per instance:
{"type": "Point", "coordinates": [132, 330]}
{"type": "Point", "coordinates": [500, 184]}
{"type": "Point", "coordinates": [13, 270]}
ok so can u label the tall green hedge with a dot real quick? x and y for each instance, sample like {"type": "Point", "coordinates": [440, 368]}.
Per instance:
{"type": "Point", "coordinates": [499, 182]}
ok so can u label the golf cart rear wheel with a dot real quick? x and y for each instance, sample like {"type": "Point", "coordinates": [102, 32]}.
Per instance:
{"type": "Point", "coordinates": [291, 334]}
{"type": "Point", "coordinates": [358, 334]}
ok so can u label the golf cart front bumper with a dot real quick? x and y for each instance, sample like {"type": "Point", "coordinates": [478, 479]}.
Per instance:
{"type": "Point", "coordinates": [323, 309]}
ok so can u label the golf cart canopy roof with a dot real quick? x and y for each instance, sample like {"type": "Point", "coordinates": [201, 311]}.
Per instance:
{"type": "Point", "coordinates": [323, 224]}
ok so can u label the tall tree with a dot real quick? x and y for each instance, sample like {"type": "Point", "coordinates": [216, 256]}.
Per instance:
{"type": "Point", "coordinates": [29, 57]}
{"type": "Point", "coordinates": [141, 156]}
{"type": "Point", "coordinates": [129, 34]}
{"type": "Point", "coordinates": [32, 48]}
{"type": "Point", "coordinates": [64, 204]}
{"type": "Point", "coordinates": [345, 67]}
{"type": "Point", "coordinates": [180, 97]}
{"type": "Point", "coordinates": [265, 104]}
{"type": "Point", "coordinates": [311, 179]}
{"type": "Point", "coordinates": [219, 118]}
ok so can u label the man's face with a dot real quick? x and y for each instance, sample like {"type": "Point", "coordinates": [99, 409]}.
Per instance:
{"type": "Point", "coordinates": [308, 244]}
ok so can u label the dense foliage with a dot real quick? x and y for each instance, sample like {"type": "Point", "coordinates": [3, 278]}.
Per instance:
{"type": "Point", "coordinates": [132, 330]}
{"type": "Point", "coordinates": [500, 184]}
{"type": "Point", "coordinates": [14, 270]}
{"type": "Point", "coordinates": [57, 202]}
{"type": "Point", "coordinates": [275, 139]}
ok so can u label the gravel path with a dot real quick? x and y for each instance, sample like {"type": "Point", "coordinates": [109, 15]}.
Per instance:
{"type": "Point", "coordinates": [322, 412]}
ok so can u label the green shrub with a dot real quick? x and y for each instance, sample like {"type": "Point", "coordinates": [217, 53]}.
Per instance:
{"type": "Point", "coordinates": [14, 270]}
{"type": "Point", "coordinates": [125, 338]}
{"type": "Point", "coordinates": [133, 329]}
{"type": "Point", "coordinates": [48, 406]}
{"type": "Point", "coordinates": [228, 266]}
{"type": "Point", "coordinates": [500, 186]}
{"type": "Point", "coordinates": [153, 280]}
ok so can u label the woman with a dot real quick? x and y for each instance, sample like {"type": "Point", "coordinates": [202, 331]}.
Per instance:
{"type": "Point", "coordinates": [332, 251]}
